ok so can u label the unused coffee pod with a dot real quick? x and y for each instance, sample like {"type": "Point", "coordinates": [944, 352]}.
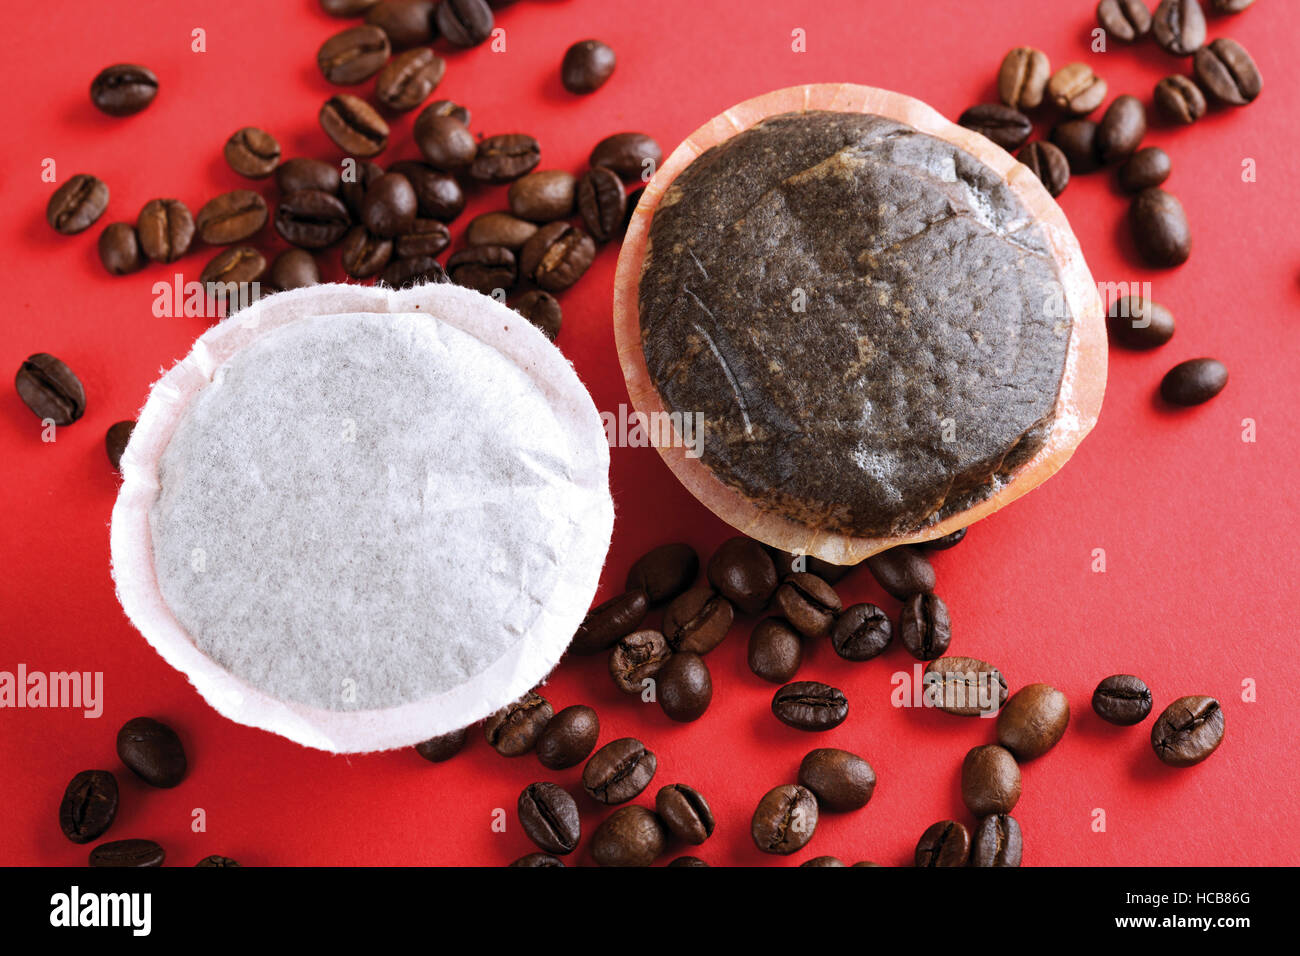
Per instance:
{"type": "Point", "coordinates": [360, 517]}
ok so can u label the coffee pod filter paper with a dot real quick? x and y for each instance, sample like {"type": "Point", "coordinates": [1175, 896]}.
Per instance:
{"type": "Point", "coordinates": [361, 518]}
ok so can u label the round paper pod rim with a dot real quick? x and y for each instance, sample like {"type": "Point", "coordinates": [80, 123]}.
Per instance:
{"type": "Point", "coordinates": [1083, 381]}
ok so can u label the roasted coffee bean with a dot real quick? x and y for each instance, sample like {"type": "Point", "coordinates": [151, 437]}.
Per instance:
{"type": "Point", "coordinates": [1033, 720]}
{"type": "Point", "coordinates": [1077, 139]}
{"type": "Point", "coordinates": [630, 836]}
{"type": "Point", "coordinates": [294, 269]}
{"type": "Point", "coordinates": [808, 603]}
{"type": "Point", "coordinates": [1227, 72]}
{"type": "Point", "coordinates": [119, 249]}
{"type": "Point", "coordinates": [997, 842]}
{"type": "Point", "coordinates": [1194, 381]}
{"type": "Point", "coordinates": [1005, 126]}
{"type": "Point", "coordinates": [252, 152]}
{"type": "Point", "coordinates": [744, 573]}
{"type": "Point", "coordinates": [231, 217]}
{"type": "Point", "coordinates": [115, 441]}
{"type": "Point", "coordinates": [775, 650]}
{"type": "Point", "coordinates": [633, 199]}
{"type": "Point", "coordinates": [1160, 228]}
{"type": "Point", "coordinates": [89, 805]}
{"type": "Point", "coordinates": [438, 193]}
{"type": "Point", "coordinates": [990, 780]}
{"type": "Point", "coordinates": [353, 125]}
{"type": "Point", "coordinates": [443, 747]}
{"type": "Point", "coordinates": [631, 155]}
{"type": "Point", "coordinates": [1122, 699]}
{"type": "Point", "coordinates": [409, 78]}
{"type": "Point", "coordinates": [504, 158]}
{"type": "Point", "coordinates": [819, 861]}
{"type": "Point", "coordinates": [810, 705]}
{"type": "Point", "coordinates": [346, 8]}
{"type": "Point", "coordinates": [556, 256]}
{"type": "Point", "coordinates": [538, 860]}
{"type": "Point", "coordinates": [569, 738]}
{"type": "Point", "coordinates": [685, 687]}
{"type": "Point", "coordinates": [608, 622]}
{"type": "Point", "coordinates": [354, 183]}
{"type": "Point", "coordinates": [785, 820]}
{"type": "Point", "coordinates": [586, 66]}
{"type": "Point", "coordinates": [484, 268]}
{"type": "Point", "coordinates": [464, 22]}
{"type": "Point", "coordinates": [902, 571]}
{"type": "Point", "coordinates": [636, 658]}
{"type": "Point", "coordinates": [839, 779]}
{"type": "Point", "coordinates": [664, 572]}
{"type": "Point", "coordinates": [541, 309]}
{"type": "Point", "coordinates": [944, 543]}
{"type": "Point", "coordinates": [788, 563]}
{"type": "Point", "coordinates": [924, 626]}
{"type": "Point", "coordinates": [353, 55]}
{"type": "Point", "coordinates": [1076, 89]}
{"type": "Point", "coordinates": [312, 219]}
{"type": "Point", "coordinates": [389, 206]}
{"type": "Point", "coordinates": [152, 750]}
{"type": "Point", "coordinates": [50, 390]}
{"type": "Point", "coordinates": [448, 108]}
{"type": "Point", "coordinates": [862, 632]}
{"type": "Point", "coordinates": [1022, 78]}
{"type": "Point", "coordinates": [1125, 20]}
{"type": "Point", "coordinates": [1188, 731]}
{"type": "Point", "coordinates": [946, 843]}
{"type": "Point", "coordinates": [303, 173]}
{"type": "Point", "coordinates": [499, 229]}
{"type": "Point", "coordinates": [1229, 6]}
{"type": "Point", "coordinates": [1179, 26]}
{"type": "Point", "coordinates": [418, 270]}
{"type": "Point", "coordinates": [1147, 167]}
{"type": "Point", "coordinates": [514, 730]}
{"type": "Point", "coordinates": [229, 272]}
{"type": "Point", "coordinates": [1179, 99]}
{"type": "Point", "coordinates": [542, 196]}
{"type": "Point", "coordinates": [685, 812]}
{"type": "Point", "coordinates": [1137, 323]}
{"type": "Point", "coordinates": [124, 853]}
{"type": "Point", "coordinates": [445, 141]}
{"type": "Point", "coordinates": [1049, 164]}
{"type": "Point", "coordinates": [123, 89]}
{"type": "Point", "coordinates": [407, 23]}
{"type": "Point", "coordinates": [363, 255]}
{"type": "Point", "coordinates": [76, 204]}
{"type": "Point", "coordinates": [165, 229]}
{"type": "Point", "coordinates": [1121, 129]}
{"type": "Point", "coordinates": [425, 237]}
{"type": "Point", "coordinates": [865, 863]}
{"type": "Point", "coordinates": [687, 861]}
{"type": "Point", "coordinates": [965, 686]}
{"type": "Point", "coordinates": [215, 860]}
{"type": "Point", "coordinates": [549, 817]}
{"type": "Point", "coordinates": [618, 771]}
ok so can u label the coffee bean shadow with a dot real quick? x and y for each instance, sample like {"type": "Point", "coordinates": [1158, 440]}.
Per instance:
{"type": "Point", "coordinates": [553, 90]}
{"type": "Point", "coordinates": [1124, 241]}
{"type": "Point", "coordinates": [1089, 725]}
{"type": "Point", "coordinates": [1145, 767]}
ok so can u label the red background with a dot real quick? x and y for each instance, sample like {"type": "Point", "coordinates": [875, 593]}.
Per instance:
{"type": "Point", "coordinates": [1198, 526]}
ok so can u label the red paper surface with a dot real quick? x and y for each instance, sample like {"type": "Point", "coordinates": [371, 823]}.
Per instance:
{"type": "Point", "coordinates": [1197, 525]}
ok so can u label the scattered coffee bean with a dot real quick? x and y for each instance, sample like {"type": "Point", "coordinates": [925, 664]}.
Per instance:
{"type": "Point", "coordinates": [862, 632]}
{"type": "Point", "coordinates": [1181, 100]}
{"type": "Point", "coordinates": [810, 705]}
{"type": "Point", "coordinates": [419, 270]}
{"type": "Point", "coordinates": [685, 812]}
{"type": "Point", "coordinates": [1122, 699]}
{"type": "Point", "coordinates": [602, 203]}
{"type": "Point", "coordinates": [685, 687]}
{"type": "Point", "coordinates": [165, 229]}
{"type": "Point", "coordinates": [439, 194]}
{"type": "Point", "coordinates": [1229, 6]}
{"type": "Point", "coordinates": [840, 780]}
{"type": "Point", "coordinates": [819, 861]}
{"type": "Point", "coordinates": [924, 626]}
{"type": "Point", "coordinates": [1146, 168]}
{"type": "Point", "coordinates": [630, 836]}
{"type": "Point", "coordinates": [448, 108]}
{"type": "Point", "coordinates": [443, 747]}
{"type": "Point", "coordinates": [389, 206]}
{"type": "Point", "coordinates": [363, 255]}
{"type": "Point", "coordinates": [785, 820]}
{"type": "Point", "coordinates": [128, 853]}
{"type": "Point", "coordinates": [788, 563]}
{"type": "Point", "coordinates": [353, 125]}
{"type": "Point", "coordinates": [484, 268]}
{"type": "Point", "coordinates": [569, 738]}
{"type": "Point", "coordinates": [347, 8]}
{"type": "Point", "coordinates": [1188, 731]}
{"type": "Point", "coordinates": [965, 686]}
{"type": "Point", "coordinates": [1160, 228]}
{"type": "Point", "coordinates": [944, 543]}
{"type": "Point", "coordinates": [1007, 127]}
{"type": "Point", "coordinates": [1227, 72]}
{"type": "Point", "coordinates": [425, 237]}
{"type": "Point", "coordinates": [115, 441]}
{"type": "Point", "coordinates": [304, 173]}
{"type": "Point", "coordinates": [409, 78]}
{"type": "Point", "coordinates": [504, 158]}
{"type": "Point", "coordinates": [902, 571]}
{"type": "Point", "coordinates": [618, 771]}
{"type": "Point", "coordinates": [997, 842]}
{"type": "Point", "coordinates": [586, 66]}
{"type": "Point", "coordinates": [1137, 323]}
{"type": "Point", "coordinates": [557, 256]}
{"type": "Point", "coordinates": [1077, 139]}
{"type": "Point", "coordinates": [1051, 166]}
{"type": "Point", "coordinates": [514, 730]}
{"type": "Point", "coordinates": [538, 860]}
{"type": "Point", "coordinates": [542, 196]}
{"type": "Point", "coordinates": [230, 271]}
{"type": "Point", "coordinates": [1022, 78]}
{"type": "Point", "coordinates": [499, 229]}
{"type": "Point", "coordinates": [543, 310]}
{"type": "Point", "coordinates": [252, 152]}
{"type": "Point", "coordinates": [50, 390]}
{"type": "Point", "coordinates": [549, 817]}
{"type": "Point", "coordinates": [119, 249]}
{"type": "Point", "coordinates": [808, 603]}
{"type": "Point", "coordinates": [631, 155]}
{"type": "Point", "coordinates": [744, 573]}
{"type": "Point", "coordinates": [608, 622]}
{"type": "Point", "coordinates": [445, 141]}
{"type": "Point", "coordinates": [215, 860]}
{"type": "Point", "coordinates": [353, 55]}
{"type": "Point", "coordinates": [990, 780]}
{"type": "Point", "coordinates": [1076, 89]}
{"type": "Point", "coordinates": [636, 658]}
{"type": "Point", "coordinates": [1033, 720]}
{"type": "Point", "coordinates": [1122, 128]}
{"type": "Point", "coordinates": [76, 204]}
{"type": "Point", "coordinates": [89, 805]}
{"type": "Point", "coordinates": [231, 217]}
{"type": "Point", "coordinates": [946, 843]}
{"type": "Point", "coordinates": [407, 23]}
{"type": "Point", "coordinates": [294, 269]}
{"type": "Point", "coordinates": [123, 89]}
{"type": "Point", "coordinates": [664, 572]}
{"type": "Point", "coordinates": [865, 863]}
{"type": "Point", "coordinates": [153, 751]}
{"type": "Point", "coordinates": [775, 650]}
{"type": "Point", "coordinates": [1194, 381]}
{"type": "Point", "coordinates": [1179, 26]}
{"type": "Point", "coordinates": [464, 22]}
{"type": "Point", "coordinates": [687, 861]}
{"type": "Point", "coordinates": [357, 180]}
{"type": "Point", "coordinates": [1125, 20]}
{"type": "Point", "coordinates": [312, 219]}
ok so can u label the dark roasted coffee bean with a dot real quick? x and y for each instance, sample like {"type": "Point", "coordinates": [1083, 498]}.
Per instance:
{"type": "Point", "coordinates": [1181, 100]}
{"type": "Point", "coordinates": [1022, 78]}
{"type": "Point", "coordinates": [1122, 699]}
{"type": "Point", "coordinates": [630, 836]}
{"type": "Point", "coordinates": [569, 738]}
{"type": "Point", "coordinates": [608, 622]}
{"type": "Point", "coordinates": [252, 152]}
{"type": "Point", "coordinates": [1076, 89]}
{"type": "Point", "coordinates": [76, 204]}
{"type": "Point", "coordinates": [744, 573]}
{"type": "Point", "coordinates": [1194, 381]}
{"type": "Point", "coordinates": [165, 229]}
{"type": "Point", "coordinates": [862, 632]}
{"type": "Point", "coordinates": [1147, 167]}
{"type": "Point", "coordinates": [389, 206]}
{"type": "Point", "coordinates": [785, 820]}
{"type": "Point", "coordinates": [685, 687]}
{"type": "Point", "coordinates": [1077, 139]}
{"type": "Point", "coordinates": [448, 108]}
{"type": "Point", "coordinates": [1188, 731]}
{"type": "Point", "coordinates": [409, 78]}
{"type": "Point", "coordinates": [312, 219]}
{"type": "Point", "coordinates": [924, 626]}
{"type": "Point", "coordinates": [533, 860]}
{"type": "Point", "coordinates": [549, 817]}
{"type": "Point", "coordinates": [541, 309]}
{"type": "Point", "coordinates": [89, 805]}
{"type": "Point", "coordinates": [1229, 6]}
{"type": "Point", "coordinates": [499, 229]}
{"type": "Point", "coordinates": [152, 750]}
{"type": "Point", "coordinates": [214, 861]}
{"type": "Point", "coordinates": [1179, 26]}
{"type": "Point", "coordinates": [788, 563]}
{"type": "Point", "coordinates": [1005, 126]}
{"type": "Point", "coordinates": [810, 705]}
{"type": "Point", "coordinates": [1121, 129]}
{"type": "Point", "coordinates": [50, 390]}
{"type": "Point", "coordinates": [1033, 720]}
{"type": "Point", "coordinates": [504, 158]}
{"type": "Point", "coordinates": [347, 8]}
{"type": "Point", "coordinates": [840, 780]}
{"type": "Point", "coordinates": [231, 217]}
{"type": "Point", "coordinates": [618, 771]}
{"type": "Point", "coordinates": [1137, 323]}
{"type": "Point", "coordinates": [443, 747]}
{"type": "Point", "coordinates": [633, 198]}
{"type": "Point", "coordinates": [294, 269]}
{"type": "Point", "coordinates": [1160, 228]}
{"type": "Point", "coordinates": [556, 256]}
{"type": "Point", "coordinates": [357, 177]}
{"type": "Point", "coordinates": [353, 125]}
{"type": "Point", "coordinates": [124, 853]}
{"type": "Point", "coordinates": [353, 55]}
{"type": "Point", "coordinates": [115, 441]}
{"type": "Point", "coordinates": [965, 686]}
{"type": "Point", "coordinates": [808, 603]}
{"type": "Point", "coordinates": [685, 812]}
{"type": "Point", "coordinates": [419, 270]}
{"type": "Point", "coordinates": [119, 249]}
{"type": "Point", "coordinates": [303, 173]}
{"type": "Point", "coordinates": [464, 22]}
{"type": "Point", "coordinates": [821, 861]}
{"type": "Point", "coordinates": [229, 272]}
{"type": "Point", "coordinates": [542, 196]}
{"type": "Point", "coordinates": [438, 193]}
{"type": "Point", "coordinates": [1227, 72]}
{"type": "Point", "coordinates": [990, 780]}
{"type": "Point", "coordinates": [123, 89]}
{"type": "Point", "coordinates": [944, 543]}
{"type": "Point", "coordinates": [946, 843]}
{"type": "Point", "coordinates": [631, 155]}
{"type": "Point", "coordinates": [775, 650]}
{"type": "Point", "coordinates": [1048, 163]}
{"type": "Point", "coordinates": [586, 66]}
{"type": "Point", "coordinates": [636, 658]}
{"type": "Point", "coordinates": [425, 237]}
{"type": "Point", "coordinates": [997, 842]}
{"type": "Point", "coordinates": [1125, 20]}
{"type": "Point", "coordinates": [687, 861]}
{"type": "Point", "coordinates": [484, 268]}
{"type": "Point", "coordinates": [664, 572]}
{"type": "Point", "coordinates": [514, 730]}
{"type": "Point", "coordinates": [407, 23]}
{"type": "Point", "coordinates": [363, 255]}
{"type": "Point", "coordinates": [902, 571]}
{"type": "Point", "coordinates": [445, 141]}
{"type": "Point", "coordinates": [698, 620]}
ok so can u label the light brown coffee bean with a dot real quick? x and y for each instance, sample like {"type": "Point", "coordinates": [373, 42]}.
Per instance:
{"type": "Point", "coordinates": [1022, 78]}
{"type": "Point", "coordinates": [1076, 89]}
